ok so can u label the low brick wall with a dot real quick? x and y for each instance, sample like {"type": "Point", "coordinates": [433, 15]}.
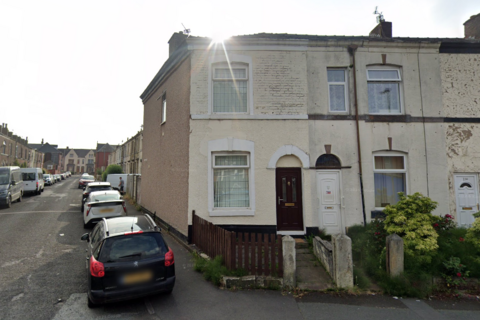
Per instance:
{"type": "Point", "coordinates": [323, 250]}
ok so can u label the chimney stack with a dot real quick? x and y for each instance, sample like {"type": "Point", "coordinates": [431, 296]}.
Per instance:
{"type": "Point", "coordinates": [472, 27]}
{"type": "Point", "coordinates": [382, 30]}
{"type": "Point", "coordinates": [177, 39]}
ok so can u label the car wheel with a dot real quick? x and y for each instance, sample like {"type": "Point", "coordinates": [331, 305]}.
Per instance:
{"type": "Point", "coordinates": [90, 303]}
{"type": "Point", "coordinates": [86, 226]}
{"type": "Point", "coordinates": [20, 198]}
{"type": "Point", "coordinates": [37, 192]}
{"type": "Point", "coordinates": [169, 291]}
{"type": "Point", "coordinates": [9, 202]}
{"type": "Point", "coordinates": [81, 210]}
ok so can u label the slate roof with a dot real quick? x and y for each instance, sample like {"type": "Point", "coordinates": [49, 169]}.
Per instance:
{"type": "Point", "coordinates": [81, 153]}
{"type": "Point", "coordinates": [105, 147]}
{"type": "Point", "coordinates": [45, 148]}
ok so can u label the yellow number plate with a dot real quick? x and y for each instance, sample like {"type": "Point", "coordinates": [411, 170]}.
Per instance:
{"type": "Point", "coordinates": [467, 208]}
{"type": "Point", "coordinates": [106, 210]}
{"type": "Point", "coordinates": [137, 277]}
{"type": "Point", "coordinates": [289, 204]}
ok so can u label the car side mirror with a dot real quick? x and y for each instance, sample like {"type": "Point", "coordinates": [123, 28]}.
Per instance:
{"type": "Point", "coordinates": [85, 200]}
{"type": "Point", "coordinates": [85, 237]}
{"type": "Point", "coordinates": [84, 188]}
{"type": "Point", "coordinates": [14, 182]}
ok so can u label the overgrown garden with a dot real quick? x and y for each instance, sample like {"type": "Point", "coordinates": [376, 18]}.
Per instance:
{"type": "Point", "coordinates": [439, 256]}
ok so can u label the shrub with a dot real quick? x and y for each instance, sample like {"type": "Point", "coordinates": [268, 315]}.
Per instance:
{"type": "Point", "coordinates": [473, 233]}
{"type": "Point", "coordinates": [455, 272]}
{"type": "Point", "coordinates": [111, 169]}
{"type": "Point", "coordinates": [443, 222]}
{"type": "Point", "coordinates": [411, 218]}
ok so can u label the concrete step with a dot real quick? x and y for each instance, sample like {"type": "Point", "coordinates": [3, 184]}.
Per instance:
{"type": "Point", "coordinates": [308, 263]}
{"type": "Point", "coordinates": [305, 257]}
{"type": "Point", "coordinates": [302, 251]}
{"type": "Point", "coordinates": [301, 245]}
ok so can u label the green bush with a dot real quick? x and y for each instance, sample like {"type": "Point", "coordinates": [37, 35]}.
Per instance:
{"type": "Point", "coordinates": [111, 169]}
{"type": "Point", "coordinates": [473, 233]}
{"type": "Point", "coordinates": [411, 218]}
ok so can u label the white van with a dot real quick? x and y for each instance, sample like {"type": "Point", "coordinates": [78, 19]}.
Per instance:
{"type": "Point", "coordinates": [33, 180]}
{"type": "Point", "coordinates": [114, 180]}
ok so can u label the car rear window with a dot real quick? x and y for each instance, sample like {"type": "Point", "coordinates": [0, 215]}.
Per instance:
{"type": "Point", "coordinates": [98, 188]}
{"type": "Point", "coordinates": [106, 197]}
{"type": "Point", "coordinates": [133, 247]}
{"type": "Point", "coordinates": [88, 178]}
{"type": "Point", "coordinates": [28, 176]}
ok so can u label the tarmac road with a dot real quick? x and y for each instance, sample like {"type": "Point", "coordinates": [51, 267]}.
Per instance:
{"type": "Point", "coordinates": [42, 260]}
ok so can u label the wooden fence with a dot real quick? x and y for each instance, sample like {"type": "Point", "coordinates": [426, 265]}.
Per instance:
{"type": "Point", "coordinates": [257, 253]}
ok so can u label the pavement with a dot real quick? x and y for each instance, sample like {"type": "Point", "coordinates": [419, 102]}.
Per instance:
{"type": "Point", "coordinates": [42, 276]}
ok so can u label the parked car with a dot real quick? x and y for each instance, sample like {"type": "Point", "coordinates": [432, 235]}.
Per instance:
{"type": "Point", "coordinates": [33, 180]}
{"type": "Point", "coordinates": [62, 176]}
{"type": "Point", "coordinates": [84, 180]}
{"type": "Point", "coordinates": [48, 179]}
{"type": "Point", "coordinates": [94, 186]}
{"type": "Point", "coordinates": [127, 258]}
{"type": "Point", "coordinates": [85, 174]}
{"type": "Point", "coordinates": [102, 204]}
{"type": "Point", "coordinates": [11, 185]}
{"type": "Point", "coordinates": [57, 178]}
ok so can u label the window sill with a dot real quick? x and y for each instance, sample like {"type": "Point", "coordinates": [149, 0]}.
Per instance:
{"type": "Point", "coordinates": [237, 116]}
{"type": "Point", "coordinates": [231, 212]}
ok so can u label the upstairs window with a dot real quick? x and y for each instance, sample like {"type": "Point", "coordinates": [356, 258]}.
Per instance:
{"type": "Point", "coordinates": [384, 91]}
{"type": "Point", "coordinates": [164, 109]}
{"type": "Point", "coordinates": [337, 90]}
{"type": "Point", "coordinates": [390, 178]}
{"type": "Point", "coordinates": [230, 89]}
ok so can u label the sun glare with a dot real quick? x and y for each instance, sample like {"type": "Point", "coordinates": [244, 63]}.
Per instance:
{"type": "Point", "coordinates": [220, 37]}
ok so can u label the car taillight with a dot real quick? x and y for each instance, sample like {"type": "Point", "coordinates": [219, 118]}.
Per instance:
{"type": "Point", "coordinates": [85, 193]}
{"type": "Point", "coordinates": [169, 260]}
{"type": "Point", "coordinates": [89, 208]}
{"type": "Point", "coordinates": [124, 207]}
{"type": "Point", "coordinates": [96, 268]}
{"type": "Point", "coordinates": [37, 184]}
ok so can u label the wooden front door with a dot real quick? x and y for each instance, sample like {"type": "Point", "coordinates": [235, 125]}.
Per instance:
{"type": "Point", "coordinates": [289, 199]}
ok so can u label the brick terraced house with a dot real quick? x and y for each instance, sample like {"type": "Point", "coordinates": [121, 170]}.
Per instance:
{"type": "Point", "coordinates": [290, 134]}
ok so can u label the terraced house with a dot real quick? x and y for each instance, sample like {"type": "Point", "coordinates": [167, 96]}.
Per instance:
{"type": "Point", "coordinates": [79, 160]}
{"type": "Point", "coordinates": [290, 134]}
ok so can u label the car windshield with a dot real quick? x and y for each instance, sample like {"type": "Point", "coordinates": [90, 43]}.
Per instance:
{"type": "Point", "coordinates": [135, 246]}
{"type": "Point", "coordinates": [106, 197]}
{"type": "Point", "coordinates": [46, 176]}
{"type": "Point", "coordinates": [4, 176]}
{"type": "Point", "coordinates": [28, 176]}
{"type": "Point", "coordinates": [88, 178]}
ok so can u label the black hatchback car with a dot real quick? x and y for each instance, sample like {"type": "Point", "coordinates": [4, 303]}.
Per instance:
{"type": "Point", "coordinates": [127, 258]}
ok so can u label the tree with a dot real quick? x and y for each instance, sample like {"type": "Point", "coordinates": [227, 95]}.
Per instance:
{"type": "Point", "coordinates": [111, 169]}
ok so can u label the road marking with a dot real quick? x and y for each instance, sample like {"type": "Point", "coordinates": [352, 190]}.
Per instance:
{"type": "Point", "coordinates": [149, 306]}
{"type": "Point", "coordinates": [75, 205]}
{"type": "Point", "coordinates": [36, 212]}
{"type": "Point", "coordinates": [18, 297]}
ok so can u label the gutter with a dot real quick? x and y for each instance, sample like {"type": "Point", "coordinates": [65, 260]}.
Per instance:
{"type": "Point", "coordinates": [351, 50]}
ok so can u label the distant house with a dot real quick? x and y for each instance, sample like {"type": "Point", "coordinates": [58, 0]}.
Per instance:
{"type": "Point", "coordinates": [102, 152]}
{"type": "Point", "coordinates": [53, 157]}
{"type": "Point", "coordinates": [80, 161]}
{"type": "Point", "coordinates": [16, 150]}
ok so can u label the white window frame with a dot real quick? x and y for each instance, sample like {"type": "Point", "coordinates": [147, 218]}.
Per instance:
{"type": "Point", "coordinates": [345, 86]}
{"type": "Point", "coordinates": [164, 109]}
{"type": "Point", "coordinates": [236, 62]}
{"type": "Point", "coordinates": [400, 87]}
{"type": "Point", "coordinates": [404, 170]}
{"type": "Point", "coordinates": [231, 146]}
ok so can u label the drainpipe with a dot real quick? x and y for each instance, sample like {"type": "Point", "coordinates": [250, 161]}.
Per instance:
{"type": "Point", "coordinates": [351, 50]}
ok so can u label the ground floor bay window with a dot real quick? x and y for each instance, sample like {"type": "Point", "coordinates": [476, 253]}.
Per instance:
{"type": "Point", "coordinates": [390, 178]}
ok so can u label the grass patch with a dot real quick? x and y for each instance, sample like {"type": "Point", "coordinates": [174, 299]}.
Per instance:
{"type": "Point", "coordinates": [213, 270]}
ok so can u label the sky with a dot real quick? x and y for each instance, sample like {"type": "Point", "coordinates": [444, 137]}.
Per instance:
{"type": "Point", "coordinates": [71, 72]}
